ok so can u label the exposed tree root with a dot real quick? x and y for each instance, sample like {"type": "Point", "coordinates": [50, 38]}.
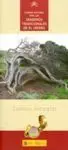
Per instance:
{"type": "Point", "coordinates": [2, 82]}
{"type": "Point", "coordinates": [15, 74]}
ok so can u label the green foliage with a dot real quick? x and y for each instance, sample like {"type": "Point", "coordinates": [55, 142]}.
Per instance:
{"type": "Point", "coordinates": [48, 96]}
{"type": "Point", "coordinates": [2, 64]}
{"type": "Point", "coordinates": [62, 93]}
{"type": "Point", "coordinates": [1, 55]}
{"type": "Point", "coordinates": [66, 81]}
{"type": "Point", "coordinates": [21, 65]}
{"type": "Point", "coordinates": [28, 95]}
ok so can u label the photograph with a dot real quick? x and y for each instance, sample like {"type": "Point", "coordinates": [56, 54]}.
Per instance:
{"type": "Point", "coordinates": [33, 66]}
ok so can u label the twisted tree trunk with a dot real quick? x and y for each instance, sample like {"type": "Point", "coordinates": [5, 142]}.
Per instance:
{"type": "Point", "coordinates": [47, 61]}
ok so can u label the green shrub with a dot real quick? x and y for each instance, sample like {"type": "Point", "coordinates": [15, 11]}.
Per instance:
{"type": "Point", "coordinates": [48, 96]}
{"type": "Point", "coordinates": [28, 95]}
{"type": "Point", "coordinates": [62, 93]}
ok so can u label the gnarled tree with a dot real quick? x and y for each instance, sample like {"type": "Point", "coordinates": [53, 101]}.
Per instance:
{"type": "Point", "coordinates": [29, 61]}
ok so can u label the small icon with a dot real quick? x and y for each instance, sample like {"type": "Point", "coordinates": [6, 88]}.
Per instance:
{"type": "Point", "coordinates": [34, 4]}
{"type": "Point", "coordinates": [25, 143]}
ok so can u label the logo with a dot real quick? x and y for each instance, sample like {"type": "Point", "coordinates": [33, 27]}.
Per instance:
{"type": "Point", "coordinates": [34, 4]}
{"type": "Point", "coordinates": [33, 131]}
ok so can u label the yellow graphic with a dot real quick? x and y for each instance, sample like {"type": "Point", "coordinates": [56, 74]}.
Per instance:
{"type": "Point", "coordinates": [34, 132]}
{"type": "Point", "coordinates": [34, 143]}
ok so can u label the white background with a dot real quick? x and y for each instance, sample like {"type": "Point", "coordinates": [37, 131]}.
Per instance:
{"type": "Point", "coordinates": [12, 40]}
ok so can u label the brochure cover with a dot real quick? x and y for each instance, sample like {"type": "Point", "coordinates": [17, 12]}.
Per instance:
{"type": "Point", "coordinates": [33, 75]}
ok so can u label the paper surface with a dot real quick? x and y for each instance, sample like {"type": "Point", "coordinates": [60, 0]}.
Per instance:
{"type": "Point", "coordinates": [16, 115]}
